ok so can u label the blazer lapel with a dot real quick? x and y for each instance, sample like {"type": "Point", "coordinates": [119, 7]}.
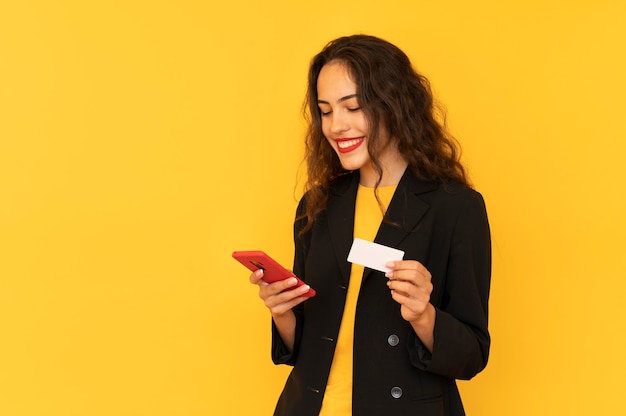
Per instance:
{"type": "Point", "coordinates": [341, 220]}
{"type": "Point", "coordinates": [406, 209]}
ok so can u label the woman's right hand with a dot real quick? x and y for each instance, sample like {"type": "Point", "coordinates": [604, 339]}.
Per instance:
{"type": "Point", "coordinates": [275, 295]}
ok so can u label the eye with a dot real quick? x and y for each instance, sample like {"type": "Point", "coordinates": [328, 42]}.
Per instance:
{"type": "Point", "coordinates": [354, 109]}
{"type": "Point", "coordinates": [325, 113]}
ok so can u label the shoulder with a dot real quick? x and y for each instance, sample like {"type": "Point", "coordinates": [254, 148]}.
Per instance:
{"type": "Point", "coordinates": [449, 191]}
{"type": "Point", "coordinates": [456, 191]}
{"type": "Point", "coordinates": [452, 200]}
{"type": "Point", "coordinates": [460, 206]}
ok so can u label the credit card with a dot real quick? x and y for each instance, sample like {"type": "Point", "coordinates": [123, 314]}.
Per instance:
{"type": "Point", "coordinates": [373, 255]}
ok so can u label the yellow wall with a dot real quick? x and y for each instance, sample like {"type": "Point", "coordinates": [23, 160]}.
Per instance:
{"type": "Point", "coordinates": [143, 141]}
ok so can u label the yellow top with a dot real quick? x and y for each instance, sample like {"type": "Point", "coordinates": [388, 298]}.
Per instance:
{"type": "Point", "coordinates": [367, 219]}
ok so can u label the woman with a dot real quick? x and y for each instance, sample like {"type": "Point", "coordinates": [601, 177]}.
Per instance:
{"type": "Point", "coordinates": [380, 168]}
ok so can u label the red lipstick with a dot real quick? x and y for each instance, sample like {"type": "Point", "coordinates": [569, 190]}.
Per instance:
{"type": "Point", "coordinates": [346, 145]}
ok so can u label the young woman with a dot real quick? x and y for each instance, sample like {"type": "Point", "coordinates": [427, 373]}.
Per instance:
{"type": "Point", "coordinates": [383, 169]}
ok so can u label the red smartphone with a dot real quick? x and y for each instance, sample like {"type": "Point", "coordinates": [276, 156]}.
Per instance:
{"type": "Point", "coordinates": [272, 270]}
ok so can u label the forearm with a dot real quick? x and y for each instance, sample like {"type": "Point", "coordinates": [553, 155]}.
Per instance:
{"type": "Point", "coordinates": [424, 327]}
{"type": "Point", "coordinates": [286, 327]}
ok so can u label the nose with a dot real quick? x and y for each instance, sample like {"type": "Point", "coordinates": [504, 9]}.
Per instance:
{"type": "Point", "coordinates": [338, 123]}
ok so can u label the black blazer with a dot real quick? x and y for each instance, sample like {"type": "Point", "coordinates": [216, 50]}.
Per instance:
{"type": "Point", "coordinates": [443, 227]}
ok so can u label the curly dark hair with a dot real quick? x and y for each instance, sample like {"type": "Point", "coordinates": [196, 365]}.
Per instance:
{"type": "Point", "coordinates": [396, 100]}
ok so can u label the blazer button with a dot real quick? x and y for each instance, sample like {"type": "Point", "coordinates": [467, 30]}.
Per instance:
{"type": "Point", "coordinates": [396, 392]}
{"type": "Point", "coordinates": [393, 340]}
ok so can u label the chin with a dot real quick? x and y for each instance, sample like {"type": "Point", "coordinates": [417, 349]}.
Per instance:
{"type": "Point", "coordinates": [352, 166]}
{"type": "Point", "coordinates": [354, 160]}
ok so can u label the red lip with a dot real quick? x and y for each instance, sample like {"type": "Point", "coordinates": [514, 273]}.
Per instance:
{"type": "Point", "coordinates": [346, 145]}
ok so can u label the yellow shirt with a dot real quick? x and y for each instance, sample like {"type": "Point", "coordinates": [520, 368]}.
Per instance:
{"type": "Point", "coordinates": [367, 219]}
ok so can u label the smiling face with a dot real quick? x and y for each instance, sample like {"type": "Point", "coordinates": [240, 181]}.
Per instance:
{"type": "Point", "coordinates": [343, 122]}
{"type": "Point", "coordinates": [346, 128]}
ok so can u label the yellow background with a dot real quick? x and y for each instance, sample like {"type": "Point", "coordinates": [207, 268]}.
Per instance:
{"type": "Point", "coordinates": [141, 142]}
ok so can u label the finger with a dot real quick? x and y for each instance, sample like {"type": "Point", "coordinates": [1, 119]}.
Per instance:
{"type": "Point", "coordinates": [282, 287]}
{"type": "Point", "coordinates": [283, 307]}
{"type": "Point", "coordinates": [406, 265]}
{"type": "Point", "coordinates": [256, 277]}
{"type": "Point", "coordinates": [411, 309]}
{"type": "Point", "coordinates": [403, 298]}
{"type": "Point", "coordinates": [409, 295]}
{"type": "Point", "coordinates": [411, 276]}
{"type": "Point", "coordinates": [401, 267]}
{"type": "Point", "coordinates": [411, 290]}
{"type": "Point", "coordinates": [284, 284]}
{"type": "Point", "coordinates": [402, 287]}
{"type": "Point", "coordinates": [287, 297]}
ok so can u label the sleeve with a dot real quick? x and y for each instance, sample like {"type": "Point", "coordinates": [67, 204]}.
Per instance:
{"type": "Point", "coordinates": [280, 352]}
{"type": "Point", "coordinates": [461, 336]}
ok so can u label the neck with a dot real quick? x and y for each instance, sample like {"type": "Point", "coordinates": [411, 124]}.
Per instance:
{"type": "Point", "coordinates": [391, 175]}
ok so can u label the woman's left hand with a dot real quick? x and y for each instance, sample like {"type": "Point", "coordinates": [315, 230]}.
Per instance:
{"type": "Point", "coordinates": [410, 284]}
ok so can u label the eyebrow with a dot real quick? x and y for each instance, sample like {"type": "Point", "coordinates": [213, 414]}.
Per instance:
{"type": "Point", "coordinates": [347, 97]}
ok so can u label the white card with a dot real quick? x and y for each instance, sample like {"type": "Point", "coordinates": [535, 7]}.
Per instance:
{"type": "Point", "coordinates": [373, 255]}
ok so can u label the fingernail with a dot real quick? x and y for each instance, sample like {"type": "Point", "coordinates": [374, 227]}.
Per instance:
{"type": "Point", "coordinates": [390, 264]}
{"type": "Point", "coordinates": [305, 288]}
{"type": "Point", "coordinates": [259, 272]}
{"type": "Point", "coordinates": [292, 281]}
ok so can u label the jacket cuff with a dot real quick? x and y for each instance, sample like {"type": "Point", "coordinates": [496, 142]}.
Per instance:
{"type": "Point", "coordinates": [419, 355]}
{"type": "Point", "coordinates": [280, 352]}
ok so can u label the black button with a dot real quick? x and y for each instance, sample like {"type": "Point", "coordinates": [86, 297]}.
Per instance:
{"type": "Point", "coordinates": [396, 392]}
{"type": "Point", "coordinates": [393, 340]}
